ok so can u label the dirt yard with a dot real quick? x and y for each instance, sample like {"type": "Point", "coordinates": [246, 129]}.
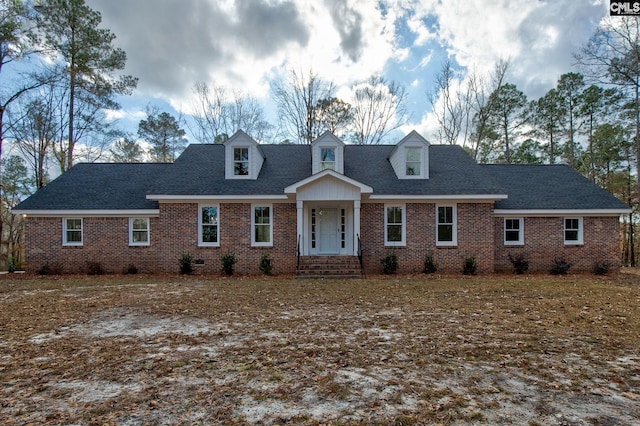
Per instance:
{"type": "Point", "coordinates": [140, 350]}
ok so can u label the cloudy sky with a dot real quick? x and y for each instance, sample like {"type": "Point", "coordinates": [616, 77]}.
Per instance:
{"type": "Point", "coordinates": [244, 44]}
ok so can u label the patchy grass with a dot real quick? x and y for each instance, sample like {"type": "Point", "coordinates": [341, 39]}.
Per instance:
{"type": "Point", "coordinates": [497, 350]}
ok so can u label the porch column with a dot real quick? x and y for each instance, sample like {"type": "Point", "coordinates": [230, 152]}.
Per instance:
{"type": "Point", "coordinates": [300, 220]}
{"type": "Point", "coordinates": [356, 225]}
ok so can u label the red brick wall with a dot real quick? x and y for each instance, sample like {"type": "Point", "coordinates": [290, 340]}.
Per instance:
{"type": "Point", "coordinates": [105, 240]}
{"type": "Point", "coordinates": [475, 238]}
{"type": "Point", "coordinates": [175, 232]}
{"type": "Point", "coordinates": [179, 225]}
{"type": "Point", "coordinates": [544, 242]}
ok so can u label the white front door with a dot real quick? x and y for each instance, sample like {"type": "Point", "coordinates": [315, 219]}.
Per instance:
{"type": "Point", "coordinates": [328, 231]}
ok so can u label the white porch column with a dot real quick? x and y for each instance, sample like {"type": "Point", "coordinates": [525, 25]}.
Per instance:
{"type": "Point", "coordinates": [300, 221]}
{"type": "Point", "coordinates": [356, 225]}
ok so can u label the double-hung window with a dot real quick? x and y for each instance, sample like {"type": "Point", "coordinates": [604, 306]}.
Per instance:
{"type": "Point", "coordinates": [327, 158]}
{"type": "Point", "coordinates": [573, 231]}
{"type": "Point", "coordinates": [513, 231]}
{"type": "Point", "coordinates": [208, 226]}
{"type": "Point", "coordinates": [414, 161]}
{"type": "Point", "coordinates": [446, 226]}
{"type": "Point", "coordinates": [394, 225]}
{"type": "Point", "coordinates": [72, 232]}
{"type": "Point", "coordinates": [139, 231]}
{"type": "Point", "coordinates": [241, 161]}
{"type": "Point", "coordinates": [262, 226]}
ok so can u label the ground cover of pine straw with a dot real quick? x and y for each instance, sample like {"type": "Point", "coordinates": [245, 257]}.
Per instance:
{"type": "Point", "coordinates": [144, 350]}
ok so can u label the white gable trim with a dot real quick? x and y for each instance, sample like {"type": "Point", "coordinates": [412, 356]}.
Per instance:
{"type": "Point", "coordinates": [89, 213]}
{"type": "Point", "coordinates": [187, 198]}
{"type": "Point", "coordinates": [410, 135]}
{"type": "Point", "coordinates": [292, 189]}
{"type": "Point", "coordinates": [459, 198]}
{"type": "Point", "coordinates": [561, 212]}
{"type": "Point", "coordinates": [328, 135]}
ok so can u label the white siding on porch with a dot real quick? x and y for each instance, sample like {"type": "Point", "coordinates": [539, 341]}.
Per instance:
{"type": "Point", "coordinates": [328, 189]}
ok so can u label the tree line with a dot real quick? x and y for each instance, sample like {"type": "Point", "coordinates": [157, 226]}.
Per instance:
{"type": "Point", "coordinates": [55, 110]}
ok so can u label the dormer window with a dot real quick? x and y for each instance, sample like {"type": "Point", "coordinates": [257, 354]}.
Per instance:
{"type": "Point", "coordinates": [410, 157]}
{"type": "Point", "coordinates": [327, 153]}
{"type": "Point", "coordinates": [327, 158]}
{"type": "Point", "coordinates": [243, 157]}
{"type": "Point", "coordinates": [413, 161]}
{"type": "Point", "coordinates": [241, 161]}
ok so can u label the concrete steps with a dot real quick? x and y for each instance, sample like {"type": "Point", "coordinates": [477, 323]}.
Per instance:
{"type": "Point", "coordinates": [329, 267]}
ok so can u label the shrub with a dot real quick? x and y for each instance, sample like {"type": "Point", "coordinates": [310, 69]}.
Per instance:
{"type": "Point", "coordinates": [50, 269]}
{"type": "Point", "coordinates": [186, 264]}
{"type": "Point", "coordinates": [469, 266]}
{"type": "Point", "coordinates": [430, 265]}
{"type": "Point", "coordinates": [519, 262]}
{"type": "Point", "coordinates": [601, 268]}
{"type": "Point", "coordinates": [560, 266]}
{"type": "Point", "coordinates": [130, 270]}
{"type": "Point", "coordinates": [389, 263]}
{"type": "Point", "coordinates": [265, 264]}
{"type": "Point", "coordinates": [94, 268]}
{"type": "Point", "coordinates": [228, 260]}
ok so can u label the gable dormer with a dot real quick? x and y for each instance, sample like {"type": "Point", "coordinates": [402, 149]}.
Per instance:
{"type": "Point", "coordinates": [327, 153]}
{"type": "Point", "coordinates": [243, 157]}
{"type": "Point", "coordinates": [410, 157]}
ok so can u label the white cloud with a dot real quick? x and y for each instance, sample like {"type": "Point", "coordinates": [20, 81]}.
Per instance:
{"type": "Point", "coordinates": [128, 114]}
{"type": "Point", "coordinates": [538, 37]}
{"type": "Point", "coordinates": [243, 44]}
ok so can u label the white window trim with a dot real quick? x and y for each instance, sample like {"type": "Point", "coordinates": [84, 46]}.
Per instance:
{"type": "Point", "coordinates": [233, 161]}
{"type": "Point", "coordinates": [454, 231]}
{"type": "Point", "coordinates": [404, 226]}
{"type": "Point", "coordinates": [148, 230]}
{"type": "Point", "coordinates": [200, 242]}
{"type": "Point", "coordinates": [406, 154]}
{"type": "Point", "coordinates": [323, 163]}
{"type": "Point", "coordinates": [254, 243]}
{"type": "Point", "coordinates": [580, 240]}
{"type": "Point", "coordinates": [520, 241]}
{"type": "Point", "coordinates": [64, 232]}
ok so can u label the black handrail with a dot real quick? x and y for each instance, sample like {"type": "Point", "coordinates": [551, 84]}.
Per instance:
{"type": "Point", "coordinates": [298, 251]}
{"type": "Point", "coordinates": [359, 251]}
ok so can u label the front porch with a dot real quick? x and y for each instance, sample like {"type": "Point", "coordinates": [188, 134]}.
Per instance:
{"type": "Point", "coordinates": [328, 214]}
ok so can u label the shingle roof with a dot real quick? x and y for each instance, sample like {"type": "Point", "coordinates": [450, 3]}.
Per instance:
{"type": "Point", "coordinates": [554, 187]}
{"type": "Point", "coordinates": [451, 172]}
{"type": "Point", "coordinates": [200, 171]}
{"type": "Point", "coordinates": [98, 186]}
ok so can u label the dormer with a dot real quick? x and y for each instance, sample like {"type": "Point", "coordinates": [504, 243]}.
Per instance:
{"type": "Point", "coordinates": [327, 153]}
{"type": "Point", "coordinates": [410, 157]}
{"type": "Point", "coordinates": [243, 157]}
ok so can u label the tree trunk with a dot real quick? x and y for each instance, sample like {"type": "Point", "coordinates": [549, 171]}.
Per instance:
{"type": "Point", "coordinates": [72, 93]}
{"type": "Point", "coordinates": [1, 179]}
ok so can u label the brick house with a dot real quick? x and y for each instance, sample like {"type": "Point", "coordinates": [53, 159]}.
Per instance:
{"type": "Point", "coordinates": [305, 203]}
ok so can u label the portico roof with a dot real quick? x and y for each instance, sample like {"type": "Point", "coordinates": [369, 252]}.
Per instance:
{"type": "Point", "coordinates": [324, 175]}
